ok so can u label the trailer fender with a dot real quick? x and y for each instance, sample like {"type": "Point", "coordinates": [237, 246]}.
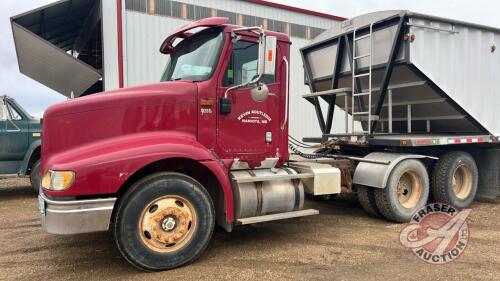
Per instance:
{"type": "Point", "coordinates": [376, 174]}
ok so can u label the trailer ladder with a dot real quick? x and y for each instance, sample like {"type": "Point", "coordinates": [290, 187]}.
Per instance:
{"type": "Point", "coordinates": [357, 94]}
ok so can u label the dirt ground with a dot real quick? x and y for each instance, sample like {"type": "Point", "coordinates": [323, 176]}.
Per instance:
{"type": "Point", "coordinates": [342, 243]}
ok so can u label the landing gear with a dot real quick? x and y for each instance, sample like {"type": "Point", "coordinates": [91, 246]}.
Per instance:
{"type": "Point", "coordinates": [163, 221]}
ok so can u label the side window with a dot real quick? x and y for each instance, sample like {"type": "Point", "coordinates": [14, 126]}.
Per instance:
{"type": "Point", "coordinates": [242, 66]}
{"type": "Point", "coordinates": [14, 115]}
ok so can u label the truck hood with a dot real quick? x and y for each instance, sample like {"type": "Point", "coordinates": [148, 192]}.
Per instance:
{"type": "Point", "coordinates": [147, 94]}
{"type": "Point", "coordinates": [166, 106]}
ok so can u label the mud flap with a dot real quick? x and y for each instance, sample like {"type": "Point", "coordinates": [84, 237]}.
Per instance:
{"type": "Point", "coordinates": [488, 163]}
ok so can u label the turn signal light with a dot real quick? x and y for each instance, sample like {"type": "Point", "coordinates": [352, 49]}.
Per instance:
{"type": "Point", "coordinates": [58, 180]}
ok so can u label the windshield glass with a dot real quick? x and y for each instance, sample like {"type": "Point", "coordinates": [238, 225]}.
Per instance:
{"type": "Point", "coordinates": [195, 57]}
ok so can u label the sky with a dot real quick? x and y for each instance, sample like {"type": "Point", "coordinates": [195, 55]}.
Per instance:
{"type": "Point", "coordinates": [35, 97]}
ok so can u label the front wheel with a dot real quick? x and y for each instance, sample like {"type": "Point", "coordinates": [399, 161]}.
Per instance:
{"type": "Point", "coordinates": [35, 176]}
{"type": "Point", "coordinates": [163, 221]}
{"type": "Point", "coordinates": [407, 190]}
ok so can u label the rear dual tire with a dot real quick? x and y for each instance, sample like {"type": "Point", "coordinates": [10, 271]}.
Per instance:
{"type": "Point", "coordinates": [407, 190]}
{"type": "Point", "coordinates": [366, 198]}
{"type": "Point", "coordinates": [454, 179]}
{"type": "Point", "coordinates": [163, 221]}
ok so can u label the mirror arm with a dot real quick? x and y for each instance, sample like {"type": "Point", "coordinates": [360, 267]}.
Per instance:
{"type": "Point", "coordinates": [261, 37]}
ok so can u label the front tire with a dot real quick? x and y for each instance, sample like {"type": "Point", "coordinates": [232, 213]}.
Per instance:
{"type": "Point", "coordinates": [35, 176]}
{"type": "Point", "coordinates": [407, 190]}
{"type": "Point", "coordinates": [454, 179]}
{"type": "Point", "coordinates": [163, 221]}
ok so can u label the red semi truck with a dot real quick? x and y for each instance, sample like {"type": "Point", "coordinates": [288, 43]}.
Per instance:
{"type": "Point", "coordinates": [159, 165]}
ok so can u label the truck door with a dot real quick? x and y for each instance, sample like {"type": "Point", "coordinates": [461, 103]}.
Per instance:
{"type": "Point", "coordinates": [252, 127]}
{"type": "Point", "coordinates": [14, 138]}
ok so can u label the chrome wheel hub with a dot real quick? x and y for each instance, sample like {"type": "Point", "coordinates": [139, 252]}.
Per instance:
{"type": "Point", "coordinates": [168, 224]}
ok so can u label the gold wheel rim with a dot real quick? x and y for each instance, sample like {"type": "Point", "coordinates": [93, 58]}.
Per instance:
{"type": "Point", "coordinates": [462, 181]}
{"type": "Point", "coordinates": [410, 189]}
{"type": "Point", "coordinates": [167, 223]}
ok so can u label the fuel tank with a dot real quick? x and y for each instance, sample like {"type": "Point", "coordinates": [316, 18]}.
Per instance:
{"type": "Point", "coordinates": [258, 198]}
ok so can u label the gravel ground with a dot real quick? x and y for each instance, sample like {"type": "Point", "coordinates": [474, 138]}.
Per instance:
{"type": "Point", "coordinates": [342, 243]}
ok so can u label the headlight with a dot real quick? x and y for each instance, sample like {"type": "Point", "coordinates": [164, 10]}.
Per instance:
{"type": "Point", "coordinates": [58, 180]}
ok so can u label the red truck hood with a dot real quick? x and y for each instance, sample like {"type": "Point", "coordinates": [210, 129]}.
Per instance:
{"type": "Point", "coordinates": [147, 94]}
{"type": "Point", "coordinates": [166, 106]}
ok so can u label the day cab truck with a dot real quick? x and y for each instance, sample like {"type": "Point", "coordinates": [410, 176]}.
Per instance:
{"type": "Point", "coordinates": [20, 142]}
{"type": "Point", "coordinates": [159, 165]}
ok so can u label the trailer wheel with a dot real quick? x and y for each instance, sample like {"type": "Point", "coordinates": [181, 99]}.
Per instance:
{"type": "Point", "coordinates": [35, 176]}
{"type": "Point", "coordinates": [163, 221]}
{"type": "Point", "coordinates": [366, 198]}
{"type": "Point", "coordinates": [454, 179]}
{"type": "Point", "coordinates": [407, 190]}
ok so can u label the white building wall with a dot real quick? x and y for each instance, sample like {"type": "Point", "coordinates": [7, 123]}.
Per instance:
{"type": "Point", "coordinates": [143, 63]}
{"type": "Point", "coordinates": [110, 44]}
{"type": "Point", "coordinates": [247, 8]}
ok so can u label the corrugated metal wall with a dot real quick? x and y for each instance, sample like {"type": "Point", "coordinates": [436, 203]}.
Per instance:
{"type": "Point", "coordinates": [143, 63]}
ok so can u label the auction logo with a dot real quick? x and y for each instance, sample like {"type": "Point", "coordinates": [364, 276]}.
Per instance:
{"type": "Point", "coordinates": [437, 233]}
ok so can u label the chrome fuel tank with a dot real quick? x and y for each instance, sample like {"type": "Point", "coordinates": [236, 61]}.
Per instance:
{"type": "Point", "coordinates": [267, 196]}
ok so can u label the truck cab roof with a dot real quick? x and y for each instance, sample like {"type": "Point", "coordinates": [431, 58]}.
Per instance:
{"type": "Point", "coordinates": [184, 32]}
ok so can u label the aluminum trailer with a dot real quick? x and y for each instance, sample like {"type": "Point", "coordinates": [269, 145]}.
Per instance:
{"type": "Point", "coordinates": [411, 87]}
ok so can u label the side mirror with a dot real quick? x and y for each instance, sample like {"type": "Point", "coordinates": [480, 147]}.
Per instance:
{"type": "Point", "coordinates": [267, 56]}
{"type": "Point", "coordinates": [259, 92]}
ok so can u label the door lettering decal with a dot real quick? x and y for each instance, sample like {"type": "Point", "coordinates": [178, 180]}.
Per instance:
{"type": "Point", "coordinates": [254, 117]}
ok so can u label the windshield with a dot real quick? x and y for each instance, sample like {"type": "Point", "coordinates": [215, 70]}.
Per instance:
{"type": "Point", "coordinates": [194, 58]}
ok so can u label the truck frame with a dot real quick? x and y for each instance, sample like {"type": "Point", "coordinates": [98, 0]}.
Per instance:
{"type": "Point", "coordinates": [159, 165]}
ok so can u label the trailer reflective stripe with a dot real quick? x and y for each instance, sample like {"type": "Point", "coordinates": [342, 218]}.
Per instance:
{"type": "Point", "coordinates": [466, 140]}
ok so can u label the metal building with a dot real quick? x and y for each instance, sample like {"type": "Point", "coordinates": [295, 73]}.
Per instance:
{"type": "Point", "coordinates": [79, 47]}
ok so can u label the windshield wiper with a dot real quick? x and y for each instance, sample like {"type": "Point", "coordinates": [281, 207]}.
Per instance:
{"type": "Point", "coordinates": [176, 79]}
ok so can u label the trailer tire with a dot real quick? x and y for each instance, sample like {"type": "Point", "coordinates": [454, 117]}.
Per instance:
{"type": "Point", "coordinates": [455, 178]}
{"type": "Point", "coordinates": [163, 221]}
{"type": "Point", "coordinates": [35, 176]}
{"type": "Point", "coordinates": [407, 190]}
{"type": "Point", "coordinates": [366, 198]}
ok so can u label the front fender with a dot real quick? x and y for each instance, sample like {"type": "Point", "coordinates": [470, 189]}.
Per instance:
{"type": "Point", "coordinates": [24, 167]}
{"type": "Point", "coordinates": [102, 167]}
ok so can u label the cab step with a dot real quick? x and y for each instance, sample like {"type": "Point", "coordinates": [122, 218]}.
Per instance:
{"type": "Point", "coordinates": [280, 216]}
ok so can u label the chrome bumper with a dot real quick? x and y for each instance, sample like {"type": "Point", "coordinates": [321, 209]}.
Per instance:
{"type": "Point", "coordinates": [77, 216]}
